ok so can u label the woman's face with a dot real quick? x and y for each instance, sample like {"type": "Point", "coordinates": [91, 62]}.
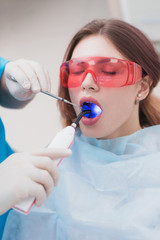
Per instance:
{"type": "Point", "coordinates": [119, 112]}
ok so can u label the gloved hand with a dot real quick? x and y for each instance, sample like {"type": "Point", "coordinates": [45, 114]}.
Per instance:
{"type": "Point", "coordinates": [24, 175]}
{"type": "Point", "coordinates": [30, 78]}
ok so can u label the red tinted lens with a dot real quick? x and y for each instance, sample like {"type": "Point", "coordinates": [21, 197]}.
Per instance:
{"type": "Point", "coordinates": [76, 72]}
{"type": "Point", "coordinates": [108, 72]}
{"type": "Point", "coordinates": [64, 73]}
{"type": "Point", "coordinates": [111, 74]}
{"type": "Point", "coordinates": [71, 73]}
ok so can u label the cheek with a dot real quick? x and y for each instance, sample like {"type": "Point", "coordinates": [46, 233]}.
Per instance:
{"type": "Point", "coordinates": [74, 96]}
{"type": "Point", "coordinates": [124, 101]}
{"type": "Point", "coordinates": [74, 93]}
{"type": "Point", "coordinates": [118, 108]}
{"type": "Point", "coordinates": [121, 102]}
{"type": "Point", "coordinates": [119, 111]}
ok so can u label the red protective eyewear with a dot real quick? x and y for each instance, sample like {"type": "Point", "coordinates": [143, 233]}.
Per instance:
{"type": "Point", "coordinates": [107, 72]}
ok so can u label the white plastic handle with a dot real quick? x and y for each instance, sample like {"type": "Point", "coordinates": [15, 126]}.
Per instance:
{"type": "Point", "coordinates": [63, 139]}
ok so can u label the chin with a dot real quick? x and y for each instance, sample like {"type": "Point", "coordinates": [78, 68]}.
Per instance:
{"type": "Point", "coordinates": [91, 132]}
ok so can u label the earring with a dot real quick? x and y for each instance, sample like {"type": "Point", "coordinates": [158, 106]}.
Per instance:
{"type": "Point", "coordinates": [139, 95]}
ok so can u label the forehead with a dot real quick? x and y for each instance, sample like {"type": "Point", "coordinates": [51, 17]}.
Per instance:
{"type": "Point", "coordinates": [96, 45]}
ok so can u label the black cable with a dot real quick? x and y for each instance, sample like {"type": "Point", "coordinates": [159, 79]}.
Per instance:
{"type": "Point", "coordinates": [81, 115]}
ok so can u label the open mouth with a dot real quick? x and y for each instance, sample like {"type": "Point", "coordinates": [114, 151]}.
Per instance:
{"type": "Point", "coordinates": [95, 110]}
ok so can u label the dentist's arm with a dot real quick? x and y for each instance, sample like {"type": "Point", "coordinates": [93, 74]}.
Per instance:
{"type": "Point", "coordinates": [31, 77]}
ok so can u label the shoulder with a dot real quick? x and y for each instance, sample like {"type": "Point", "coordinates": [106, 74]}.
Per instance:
{"type": "Point", "coordinates": [148, 137]}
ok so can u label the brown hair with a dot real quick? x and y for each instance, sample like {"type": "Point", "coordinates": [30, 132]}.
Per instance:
{"type": "Point", "coordinates": [134, 45]}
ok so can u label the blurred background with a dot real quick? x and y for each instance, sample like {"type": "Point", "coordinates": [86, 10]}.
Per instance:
{"type": "Point", "coordinates": [41, 30]}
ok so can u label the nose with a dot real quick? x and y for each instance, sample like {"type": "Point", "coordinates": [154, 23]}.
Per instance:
{"type": "Point", "coordinates": [89, 83]}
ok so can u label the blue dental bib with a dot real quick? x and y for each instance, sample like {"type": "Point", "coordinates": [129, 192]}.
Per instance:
{"type": "Point", "coordinates": [108, 189]}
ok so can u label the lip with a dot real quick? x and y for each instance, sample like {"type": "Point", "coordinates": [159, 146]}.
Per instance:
{"type": "Point", "coordinates": [90, 121]}
{"type": "Point", "coordinates": [89, 99]}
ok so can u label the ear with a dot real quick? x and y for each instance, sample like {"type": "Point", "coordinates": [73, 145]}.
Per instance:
{"type": "Point", "coordinates": [144, 87]}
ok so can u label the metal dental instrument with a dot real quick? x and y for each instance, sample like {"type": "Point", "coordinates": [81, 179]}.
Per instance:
{"type": "Point", "coordinates": [47, 93]}
{"type": "Point", "coordinates": [59, 98]}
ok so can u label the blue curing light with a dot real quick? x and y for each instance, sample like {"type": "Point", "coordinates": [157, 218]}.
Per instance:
{"type": "Point", "coordinates": [95, 110]}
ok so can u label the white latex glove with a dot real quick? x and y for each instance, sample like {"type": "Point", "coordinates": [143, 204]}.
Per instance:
{"type": "Point", "coordinates": [31, 77]}
{"type": "Point", "coordinates": [24, 175]}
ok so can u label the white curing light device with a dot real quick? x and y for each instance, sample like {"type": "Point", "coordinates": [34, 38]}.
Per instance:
{"type": "Point", "coordinates": [63, 139]}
